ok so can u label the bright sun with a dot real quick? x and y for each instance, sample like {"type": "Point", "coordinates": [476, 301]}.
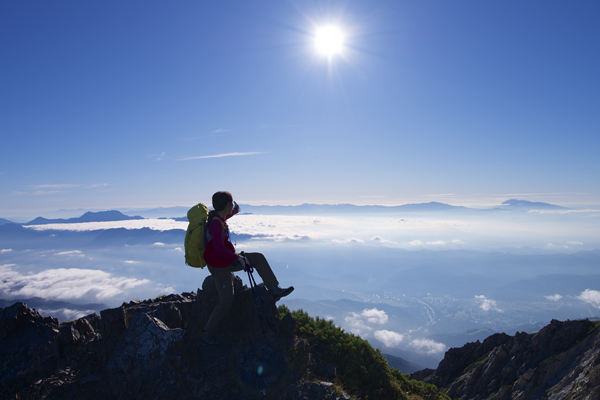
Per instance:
{"type": "Point", "coordinates": [329, 40]}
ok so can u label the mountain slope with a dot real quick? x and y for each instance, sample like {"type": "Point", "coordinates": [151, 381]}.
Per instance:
{"type": "Point", "coordinates": [561, 361]}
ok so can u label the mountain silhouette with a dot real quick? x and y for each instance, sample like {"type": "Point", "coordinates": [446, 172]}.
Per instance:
{"type": "Point", "coordinates": [100, 216]}
{"type": "Point", "coordinates": [525, 205]}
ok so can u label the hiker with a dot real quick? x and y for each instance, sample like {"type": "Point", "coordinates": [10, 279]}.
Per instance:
{"type": "Point", "coordinates": [222, 260]}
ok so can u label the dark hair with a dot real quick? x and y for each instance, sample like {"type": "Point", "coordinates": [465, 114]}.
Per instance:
{"type": "Point", "coordinates": [220, 200]}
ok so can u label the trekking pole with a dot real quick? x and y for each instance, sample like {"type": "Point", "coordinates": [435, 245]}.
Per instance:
{"type": "Point", "coordinates": [251, 279]}
{"type": "Point", "coordinates": [253, 284]}
{"type": "Point", "coordinates": [262, 301]}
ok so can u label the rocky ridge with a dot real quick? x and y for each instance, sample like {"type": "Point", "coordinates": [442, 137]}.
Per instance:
{"type": "Point", "coordinates": [152, 350]}
{"type": "Point", "coordinates": [561, 361]}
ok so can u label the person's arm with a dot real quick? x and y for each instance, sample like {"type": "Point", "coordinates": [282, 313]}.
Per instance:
{"type": "Point", "coordinates": [235, 210]}
{"type": "Point", "coordinates": [216, 231]}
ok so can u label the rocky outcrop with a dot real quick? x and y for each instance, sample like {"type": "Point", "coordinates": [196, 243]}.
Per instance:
{"type": "Point", "coordinates": [152, 350]}
{"type": "Point", "coordinates": [561, 361]}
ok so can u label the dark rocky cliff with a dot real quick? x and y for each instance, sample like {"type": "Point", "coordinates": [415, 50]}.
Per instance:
{"type": "Point", "coordinates": [152, 350]}
{"type": "Point", "coordinates": [561, 361]}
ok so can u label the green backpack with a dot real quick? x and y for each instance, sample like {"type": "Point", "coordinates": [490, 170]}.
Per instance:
{"type": "Point", "coordinates": [194, 237]}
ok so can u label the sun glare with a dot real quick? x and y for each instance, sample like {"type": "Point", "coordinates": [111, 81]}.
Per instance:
{"type": "Point", "coordinates": [329, 40]}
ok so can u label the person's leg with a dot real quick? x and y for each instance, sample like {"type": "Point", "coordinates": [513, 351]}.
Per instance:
{"type": "Point", "coordinates": [260, 264]}
{"type": "Point", "coordinates": [224, 283]}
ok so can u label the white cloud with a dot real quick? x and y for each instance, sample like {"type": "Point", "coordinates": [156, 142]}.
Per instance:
{"type": "Point", "coordinates": [432, 243]}
{"type": "Point", "coordinates": [592, 297]}
{"type": "Point", "coordinates": [131, 262]}
{"type": "Point", "coordinates": [351, 240]}
{"type": "Point", "coordinates": [358, 323]}
{"type": "Point", "coordinates": [2, 251]}
{"type": "Point", "coordinates": [488, 304]}
{"type": "Point", "coordinates": [65, 284]}
{"type": "Point", "coordinates": [389, 338]}
{"type": "Point", "coordinates": [65, 314]}
{"type": "Point", "coordinates": [162, 289]}
{"type": "Point", "coordinates": [456, 241]}
{"type": "Point", "coordinates": [554, 297]}
{"type": "Point", "coordinates": [575, 243]}
{"type": "Point", "coordinates": [375, 316]}
{"type": "Point", "coordinates": [154, 224]}
{"type": "Point", "coordinates": [159, 244]}
{"type": "Point", "coordinates": [437, 243]}
{"type": "Point", "coordinates": [382, 240]}
{"type": "Point", "coordinates": [428, 346]}
{"type": "Point", "coordinates": [564, 211]}
{"type": "Point", "coordinates": [219, 156]}
{"type": "Point", "coordinates": [70, 253]}
{"type": "Point", "coordinates": [55, 186]}
{"type": "Point", "coordinates": [281, 227]}
{"type": "Point", "coordinates": [282, 238]}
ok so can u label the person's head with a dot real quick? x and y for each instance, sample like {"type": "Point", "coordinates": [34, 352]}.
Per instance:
{"type": "Point", "coordinates": [221, 200]}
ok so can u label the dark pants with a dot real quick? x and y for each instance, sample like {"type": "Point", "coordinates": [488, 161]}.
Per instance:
{"type": "Point", "coordinates": [223, 278]}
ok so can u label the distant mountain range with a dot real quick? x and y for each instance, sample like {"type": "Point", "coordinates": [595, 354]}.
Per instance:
{"type": "Point", "coordinates": [101, 216]}
{"type": "Point", "coordinates": [178, 213]}
{"type": "Point", "coordinates": [524, 205]}
{"type": "Point", "coordinates": [306, 208]}
{"type": "Point", "coordinates": [312, 209]}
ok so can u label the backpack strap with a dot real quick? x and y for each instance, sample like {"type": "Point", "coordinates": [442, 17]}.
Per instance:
{"type": "Point", "coordinates": [207, 234]}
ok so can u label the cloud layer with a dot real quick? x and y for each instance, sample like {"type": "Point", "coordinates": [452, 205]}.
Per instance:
{"type": "Point", "coordinates": [592, 297]}
{"type": "Point", "coordinates": [364, 323]}
{"type": "Point", "coordinates": [65, 284]}
{"type": "Point", "coordinates": [487, 304]}
{"type": "Point", "coordinates": [154, 224]}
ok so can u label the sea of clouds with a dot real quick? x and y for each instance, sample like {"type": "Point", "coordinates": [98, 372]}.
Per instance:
{"type": "Point", "coordinates": [325, 257]}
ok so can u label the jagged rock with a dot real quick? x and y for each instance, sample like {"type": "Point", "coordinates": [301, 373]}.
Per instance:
{"type": "Point", "coordinates": [29, 346]}
{"type": "Point", "coordinates": [152, 350]}
{"type": "Point", "coordinates": [313, 391]}
{"type": "Point", "coordinates": [140, 354]}
{"type": "Point", "coordinates": [561, 361]}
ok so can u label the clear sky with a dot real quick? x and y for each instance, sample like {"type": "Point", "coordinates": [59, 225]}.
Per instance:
{"type": "Point", "coordinates": [112, 104]}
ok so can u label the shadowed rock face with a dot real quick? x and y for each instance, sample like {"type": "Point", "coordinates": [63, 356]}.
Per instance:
{"type": "Point", "coordinates": [152, 350]}
{"type": "Point", "coordinates": [561, 361]}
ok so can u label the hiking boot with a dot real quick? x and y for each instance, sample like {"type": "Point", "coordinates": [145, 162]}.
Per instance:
{"type": "Point", "coordinates": [209, 339]}
{"type": "Point", "coordinates": [277, 292]}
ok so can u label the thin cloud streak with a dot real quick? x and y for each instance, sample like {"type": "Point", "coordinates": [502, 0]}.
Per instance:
{"type": "Point", "coordinates": [219, 156]}
{"type": "Point", "coordinates": [55, 186]}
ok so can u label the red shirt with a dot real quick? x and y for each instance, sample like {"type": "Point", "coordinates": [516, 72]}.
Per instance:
{"type": "Point", "coordinates": [219, 252]}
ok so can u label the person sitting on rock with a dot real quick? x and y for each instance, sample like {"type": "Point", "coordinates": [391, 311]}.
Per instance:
{"type": "Point", "coordinates": [222, 260]}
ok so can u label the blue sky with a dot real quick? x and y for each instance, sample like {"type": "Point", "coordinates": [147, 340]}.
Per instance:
{"type": "Point", "coordinates": [112, 104]}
